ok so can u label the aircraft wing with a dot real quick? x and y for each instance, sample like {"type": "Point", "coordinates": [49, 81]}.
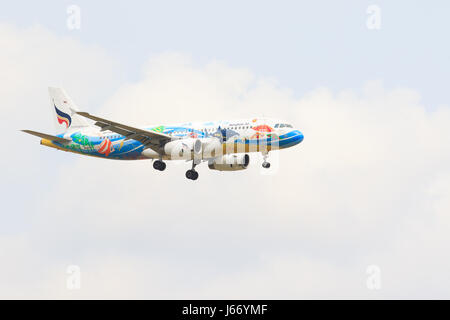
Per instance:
{"type": "Point", "coordinates": [150, 139]}
{"type": "Point", "coordinates": [47, 136]}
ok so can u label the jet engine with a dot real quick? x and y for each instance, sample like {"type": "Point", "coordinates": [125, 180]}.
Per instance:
{"type": "Point", "coordinates": [183, 149]}
{"type": "Point", "coordinates": [230, 162]}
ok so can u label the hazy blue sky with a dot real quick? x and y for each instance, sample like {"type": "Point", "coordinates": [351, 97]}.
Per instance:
{"type": "Point", "coordinates": [302, 44]}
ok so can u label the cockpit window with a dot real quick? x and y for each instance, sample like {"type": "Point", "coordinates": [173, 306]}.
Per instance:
{"type": "Point", "coordinates": [288, 126]}
{"type": "Point", "coordinates": [276, 126]}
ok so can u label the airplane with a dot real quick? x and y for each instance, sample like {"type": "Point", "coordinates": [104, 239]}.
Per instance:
{"type": "Point", "coordinates": [223, 144]}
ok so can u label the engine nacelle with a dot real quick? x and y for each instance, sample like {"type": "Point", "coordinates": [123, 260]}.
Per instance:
{"type": "Point", "coordinates": [183, 149]}
{"type": "Point", "coordinates": [230, 162]}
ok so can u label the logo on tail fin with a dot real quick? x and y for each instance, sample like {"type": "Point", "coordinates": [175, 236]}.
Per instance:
{"type": "Point", "coordinates": [62, 117]}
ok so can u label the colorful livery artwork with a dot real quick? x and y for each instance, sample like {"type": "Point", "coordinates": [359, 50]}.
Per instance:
{"type": "Point", "coordinates": [223, 144]}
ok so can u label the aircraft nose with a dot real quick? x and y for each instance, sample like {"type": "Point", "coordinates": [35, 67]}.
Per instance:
{"type": "Point", "coordinates": [300, 135]}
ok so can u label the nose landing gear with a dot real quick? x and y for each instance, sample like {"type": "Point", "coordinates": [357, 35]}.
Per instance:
{"type": "Point", "coordinates": [265, 164]}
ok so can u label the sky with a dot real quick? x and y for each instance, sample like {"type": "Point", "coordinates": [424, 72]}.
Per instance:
{"type": "Point", "coordinates": [360, 209]}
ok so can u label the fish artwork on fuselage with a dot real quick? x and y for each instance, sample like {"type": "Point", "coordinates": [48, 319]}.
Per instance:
{"type": "Point", "coordinates": [105, 147]}
{"type": "Point", "coordinates": [223, 144]}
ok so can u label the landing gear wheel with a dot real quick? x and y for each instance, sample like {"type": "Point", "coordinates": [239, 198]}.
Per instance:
{"type": "Point", "coordinates": [266, 165]}
{"type": "Point", "coordinates": [192, 174]}
{"type": "Point", "coordinates": [159, 165]}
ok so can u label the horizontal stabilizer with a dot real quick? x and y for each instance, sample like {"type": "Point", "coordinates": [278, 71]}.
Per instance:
{"type": "Point", "coordinates": [46, 136]}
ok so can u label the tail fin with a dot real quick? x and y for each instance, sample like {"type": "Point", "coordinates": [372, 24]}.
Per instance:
{"type": "Point", "coordinates": [65, 111]}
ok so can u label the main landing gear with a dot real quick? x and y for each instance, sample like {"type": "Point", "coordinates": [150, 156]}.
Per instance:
{"type": "Point", "coordinates": [159, 165]}
{"type": "Point", "coordinates": [265, 164]}
{"type": "Point", "coordinates": [192, 174]}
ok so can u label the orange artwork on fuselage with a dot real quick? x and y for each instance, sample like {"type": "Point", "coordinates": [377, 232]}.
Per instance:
{"type": "Point", "coordinates": [105, 147]}
{"type": "Point", "coordinates": [261, 131]}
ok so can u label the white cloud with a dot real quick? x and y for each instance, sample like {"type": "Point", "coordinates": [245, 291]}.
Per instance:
{"type": "Point", "coordinates": [369, 185]}
{"type": "Point", "coordinates": [31, 60]}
